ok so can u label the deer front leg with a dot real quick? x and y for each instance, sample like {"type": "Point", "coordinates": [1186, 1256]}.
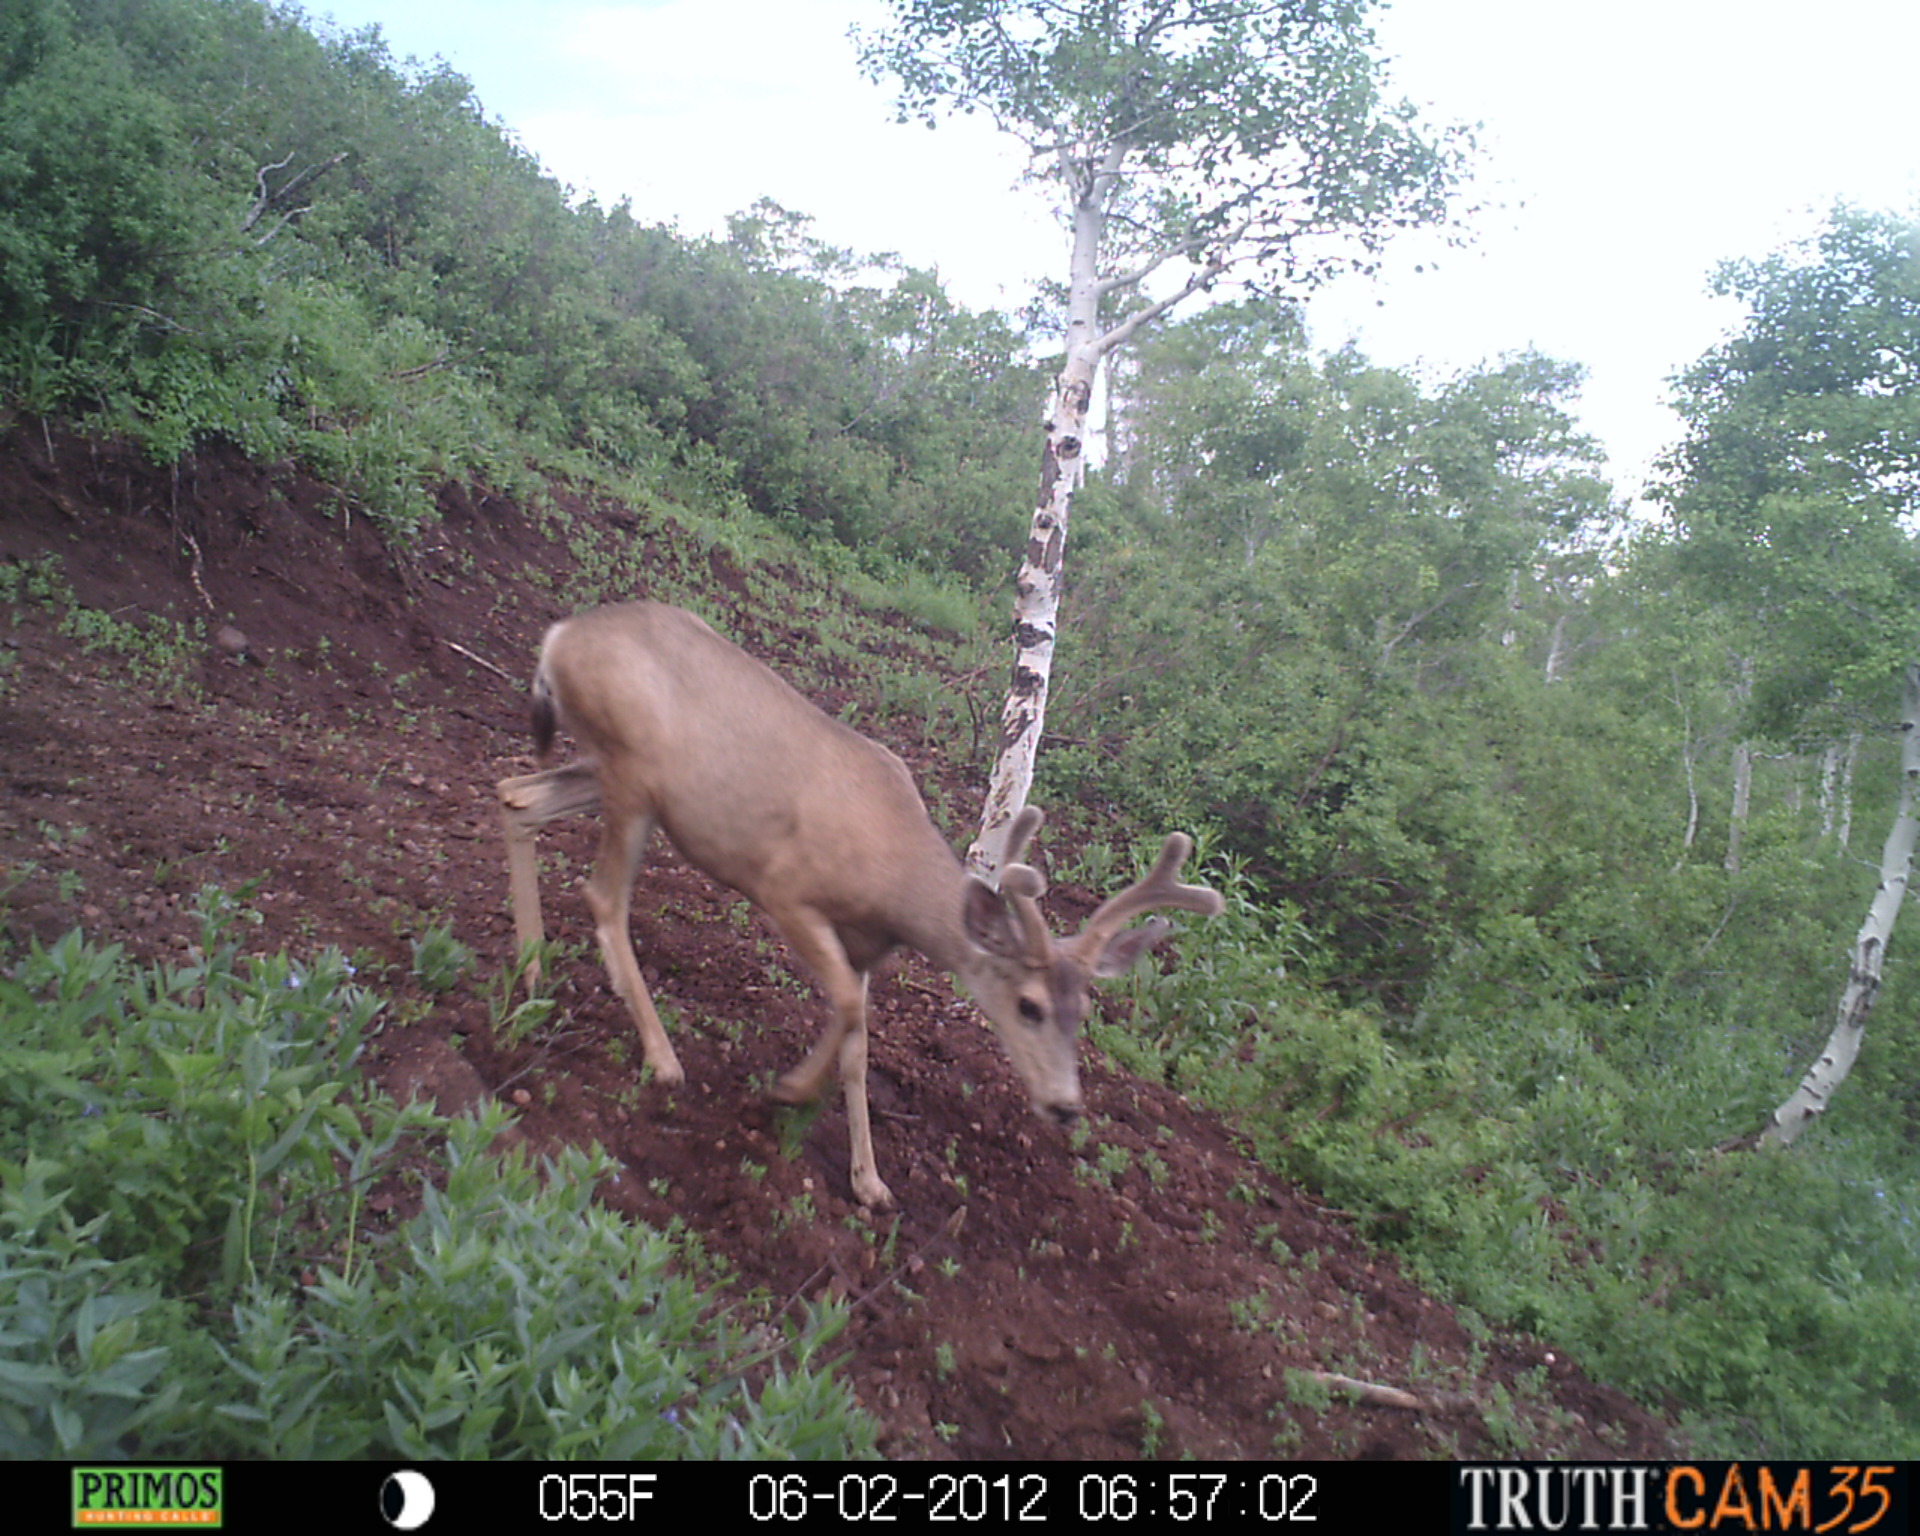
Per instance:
{"type": "Point", "coordinates": [867, 1186]}
{"type": "Point", "coordinates": [844, 1038]}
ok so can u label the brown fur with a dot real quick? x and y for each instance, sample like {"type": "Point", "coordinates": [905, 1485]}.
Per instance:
{"type": "Point", "coordinates": [816, 825]}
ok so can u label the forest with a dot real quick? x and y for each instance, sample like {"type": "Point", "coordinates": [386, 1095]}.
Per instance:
{"type": "Point", "coordinates": [1563, 845]}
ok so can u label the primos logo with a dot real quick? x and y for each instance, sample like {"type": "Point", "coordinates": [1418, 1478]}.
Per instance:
{"type": "Point", "coordinates": [124, 1496]}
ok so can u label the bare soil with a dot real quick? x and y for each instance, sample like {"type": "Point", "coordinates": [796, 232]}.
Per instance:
{"type": "Point", "coordinates": [1028, 1299]}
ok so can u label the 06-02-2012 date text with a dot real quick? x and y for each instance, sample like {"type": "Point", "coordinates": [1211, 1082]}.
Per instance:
{"type": "Point", "coordinates": [1032, 1497]}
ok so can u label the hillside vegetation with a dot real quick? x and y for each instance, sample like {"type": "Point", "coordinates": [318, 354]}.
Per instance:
{"type": "Point", "coordinates": [1544, 835]}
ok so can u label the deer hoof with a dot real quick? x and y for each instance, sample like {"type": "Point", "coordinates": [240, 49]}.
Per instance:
{"type": "Point", "coordinates": [870, 1191]}
{"type": "Point", "coordinates": [793, 1088]}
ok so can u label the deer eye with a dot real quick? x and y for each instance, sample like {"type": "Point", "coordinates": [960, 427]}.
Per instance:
{"type": "Point", "coordinates": [1030, 1011]}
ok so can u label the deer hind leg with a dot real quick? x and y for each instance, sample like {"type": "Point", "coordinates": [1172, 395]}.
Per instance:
{"type": "Point", "coordinates": [844, 1038]}
{"type": "Point", "coordinates": [623, 843]}
{"type": "Point", "coordinates": [526, 804]}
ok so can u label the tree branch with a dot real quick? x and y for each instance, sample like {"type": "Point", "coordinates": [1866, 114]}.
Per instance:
{"type": "Point", "coordinates": [1139, 274]}
{"type": "Point", "coordinates": [265, 201]}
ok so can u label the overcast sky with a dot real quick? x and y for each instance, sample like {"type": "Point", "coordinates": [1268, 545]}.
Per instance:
{"type": "Point", "coordinates": [1629, 147]}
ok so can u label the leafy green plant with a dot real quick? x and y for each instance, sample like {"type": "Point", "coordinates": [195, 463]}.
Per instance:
{"type": "Point", "coordinates": [439, 959]}
{"type": "Point", "coordinates": [154, 651]}
{"type": "Point", "coordinates": [519, 1319]}
{"type": "Point", "coordinates": [105, 1058]}
{"type": "Point", "coordinates": [186, 1270]}
{"type": "Point", "coordinates": [1252, 1314]}
{"type": "Point", "coordinates": [515, 1018]}
{"type": "Point", "coordinates": [80, 1361]}
{"type": "Point", "coordinates": [1153, 1426]}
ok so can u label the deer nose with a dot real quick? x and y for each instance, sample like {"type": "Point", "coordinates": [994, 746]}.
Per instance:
{"type": "Point", "coordinates": [1064, 1114]}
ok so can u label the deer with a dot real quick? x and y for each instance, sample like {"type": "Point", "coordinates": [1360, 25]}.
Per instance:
{"type": "Point", "coordinates": [820, 828]}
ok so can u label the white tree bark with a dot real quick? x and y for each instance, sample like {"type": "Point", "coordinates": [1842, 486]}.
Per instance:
{"type": "Point", "coordinates": [1557, 648]}
{"type": "Point", "coordinates": [1846, 792]}
{"type": "Point", "coordinates": [1742, 774]}
{"type": "Point", "coordinates": [1036, 605]}
{"type": "Point", "coordinates": [1836, 790]}
{"type": "Point", "coordinates": [1869, 952]}
{"type": "Point", "coordinates": [1686, 761]}
{"type": "Point", "coordinates": [1742, 800]}
{"type": "Point", "coordinates": [1693, 810]}
{"type": "Point", "coordinates": [1829, 771]}
{"type": "Point", "coordinates": [1036, 615]}
{"type": "Point", "coordinates": [1036, 586]}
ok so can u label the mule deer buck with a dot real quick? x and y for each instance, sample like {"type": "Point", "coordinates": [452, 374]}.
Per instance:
{"type": "Point", "coordinates": [821, 829]}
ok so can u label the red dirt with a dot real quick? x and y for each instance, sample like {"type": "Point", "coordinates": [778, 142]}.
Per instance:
{"type": "Point", "coordinates": [1026, 1304]}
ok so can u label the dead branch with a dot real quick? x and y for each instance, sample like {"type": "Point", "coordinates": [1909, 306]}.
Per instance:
{"type": "Point", "coordinates": [482, 661]}
{"type": "Point", "coordinates": [266, 570]}
{"type": "Point", "coordinates": [1381, 1396]}
{"type": "Point", "coordinates": [443, 360]}
{"type": "Point", "coordinates": [152, 316]}
{"type": "Point", "coordinates": [265, 201]}
{"type": "Point", "coordinates": [949, 1230]}
{"type": "Point", "coordinates": [194, 545]}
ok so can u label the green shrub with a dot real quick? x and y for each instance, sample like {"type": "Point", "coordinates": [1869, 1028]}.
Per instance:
{"type": "Point", "coordinates": [185, 1268]}
{"type": "Point", "coordinates": [1541, 1149]}
{"type": "Point", "coordinates": [517, 1319]}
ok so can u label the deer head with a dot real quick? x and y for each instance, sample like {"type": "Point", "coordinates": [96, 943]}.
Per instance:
{"type": "Point", "coordinates": [1034, 988]}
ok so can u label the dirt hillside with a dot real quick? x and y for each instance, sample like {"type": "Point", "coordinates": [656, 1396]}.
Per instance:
{"type": "Point", "coordinates": [1147, 1292]}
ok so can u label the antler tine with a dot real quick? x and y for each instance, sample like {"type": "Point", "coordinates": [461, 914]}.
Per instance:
{"type": "Point", "coordinates": [1157, 889]}
{"type": "Point", "coordinates": [1023, 885]}
{"type": "Point", "coordinates": [1019, 834]}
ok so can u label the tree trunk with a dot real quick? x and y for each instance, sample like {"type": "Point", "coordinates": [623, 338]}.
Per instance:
{"type": "Point", "coordinates": [1742, 798]}
{"type": "Point", "coordinates": [1036, 616]}
{"type": "Point", "coordinates": [1686, 761]}
{"type": "Point", "coordinates": [1836, 790]}
{"type": "Point", "coordinates": [1742, 771]}
{"type": "Point", "coordinates": [1036, 603]}
{"type": "Point", "coordinates": [1557, 648]}
{"type": "Point", "coordinates": [1693, 811]}
{"type": "Point", "coordinates": [1846, 792]}
{"type": "Point", "coordinates": [1869, 953]}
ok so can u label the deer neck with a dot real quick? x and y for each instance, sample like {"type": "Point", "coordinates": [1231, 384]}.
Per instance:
{"type": "Point", "coordinates": [928, 912]}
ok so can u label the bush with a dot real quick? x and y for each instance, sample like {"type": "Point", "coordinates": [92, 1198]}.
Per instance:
{"type": "Point", "coordinates": [185, 1270]}
{"type": "Point", "coordinates": [1540, 1148]}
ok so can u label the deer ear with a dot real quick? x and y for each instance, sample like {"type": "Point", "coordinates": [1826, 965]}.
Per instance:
{"type": "Point", "coordinates": [990, 923]}
{"type": "Point", "coordinates": [1124, 949]}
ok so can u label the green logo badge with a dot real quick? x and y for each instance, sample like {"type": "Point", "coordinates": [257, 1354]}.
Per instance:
{"type": "Point", "coordinates": [146, 1496]}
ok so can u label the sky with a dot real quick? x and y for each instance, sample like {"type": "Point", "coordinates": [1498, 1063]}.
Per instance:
{"type": "Point", "coordinates": [1627, 149]}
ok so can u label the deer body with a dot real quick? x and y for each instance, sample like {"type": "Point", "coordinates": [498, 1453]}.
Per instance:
{"type": "Point", "coordinates": [819, 827]}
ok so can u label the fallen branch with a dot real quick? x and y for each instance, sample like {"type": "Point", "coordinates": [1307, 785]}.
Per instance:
{"type": "Point", "coordinates": [194, 545]}
{"type": "Point", "coordinates": [947, 1232]}
{"type": "Point", "coordinates": [164, 322]}
{"type": "Point", "coordinates": [1381, 1396]}
{"type": "Point", "coordinates": [481, 661]}
{"type": "Point", "coordinates": [267, 570]}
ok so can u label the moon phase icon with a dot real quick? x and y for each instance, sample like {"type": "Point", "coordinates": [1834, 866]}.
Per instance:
{"type": "Point", "coordinates": [406, 1499]}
